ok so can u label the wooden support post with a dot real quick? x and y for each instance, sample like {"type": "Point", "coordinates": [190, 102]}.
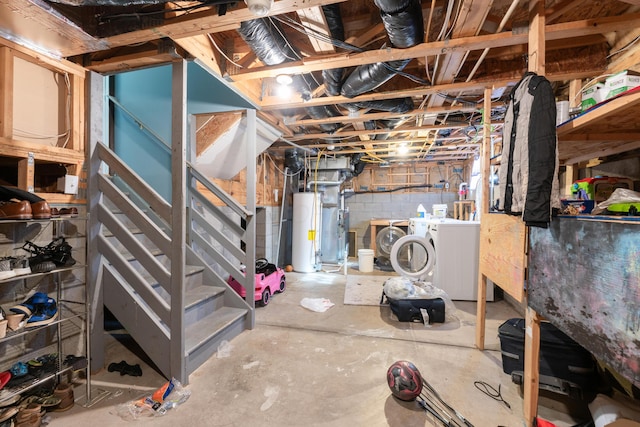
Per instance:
{"type": "Point", "coordinates": [537, 43]}
{"type": "Point", "coordinates": [26, 173]}
{"type": "Point", "coordinates": [484, 210]}
{"type": "Point", "coordinates": [531, 364]}
{"type": "Point", "coordinates": [6, 92]}
{"type": "Point", "coordinates": [537, 47]}
{"type": "Point", "coordinates": [575, 88]}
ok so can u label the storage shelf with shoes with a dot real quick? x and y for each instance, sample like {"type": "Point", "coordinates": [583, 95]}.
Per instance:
{"type": "Point", "coordinates": [43, 299]}
{"type": "Point", "coordinates": [32, 275]}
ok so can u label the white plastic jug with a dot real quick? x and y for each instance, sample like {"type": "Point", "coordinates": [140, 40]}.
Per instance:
{"type": "Point", "coordinates": [421, 211]}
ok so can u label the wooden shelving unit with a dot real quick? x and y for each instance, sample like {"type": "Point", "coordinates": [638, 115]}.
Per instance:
{"type": "Point", "coordinates": [25, 155]}
{"type": "Point", "coordinates": [606, 129]}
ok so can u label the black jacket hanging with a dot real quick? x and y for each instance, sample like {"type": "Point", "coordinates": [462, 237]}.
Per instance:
{"type": "Point", "coordinates": [529, 165]}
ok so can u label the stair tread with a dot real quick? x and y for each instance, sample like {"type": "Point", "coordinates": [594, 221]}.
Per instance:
{"type": "Point", "coordinates": [199, 293]}
{"type": "Point", "coordinates": [208, 327]}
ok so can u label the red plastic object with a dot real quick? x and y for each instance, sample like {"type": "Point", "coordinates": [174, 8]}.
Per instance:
{"type": "Point", "coordinates": [4, 378]}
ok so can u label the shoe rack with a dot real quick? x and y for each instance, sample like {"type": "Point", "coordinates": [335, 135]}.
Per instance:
{"type": "Point", "coordinates": [66, 334]}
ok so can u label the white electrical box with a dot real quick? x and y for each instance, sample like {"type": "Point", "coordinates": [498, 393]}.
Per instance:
{"type": "Point", "coordinates": [68, 184]}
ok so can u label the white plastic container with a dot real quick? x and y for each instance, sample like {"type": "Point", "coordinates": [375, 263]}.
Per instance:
{"type": "Point", "coordinates": [422, 212]}
{"type": "Point", "coordinates": [365, 260]}
{"type": "Point", "coordinates": [440, 211]}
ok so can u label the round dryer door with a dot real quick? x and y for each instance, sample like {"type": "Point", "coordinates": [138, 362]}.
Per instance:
{"type": "Point", "coordinates": [413, 256]}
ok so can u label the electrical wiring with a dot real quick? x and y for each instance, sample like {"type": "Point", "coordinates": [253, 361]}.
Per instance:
{"type": "Point", "coordinates": [631, 43]}
{"type": "Point", "coordinates": [284, 173]}
{"type": "Point", "coordinates": [343, 45]}
{"type": "Point", "coordinates": [66, 134]}
{"type": "Point", "coordinates": [213, 42]}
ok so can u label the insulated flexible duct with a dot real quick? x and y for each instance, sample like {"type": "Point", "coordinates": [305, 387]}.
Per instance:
{"type": "Point", "coordinates": [404, 24]}
{"type": "Point", "coordinates": [333, 78]}
{"type": "Point", "coordinates": [266, 40]}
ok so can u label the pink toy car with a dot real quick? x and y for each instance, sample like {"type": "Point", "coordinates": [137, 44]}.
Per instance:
{"type": "Point", "coordinates": [269, 280]}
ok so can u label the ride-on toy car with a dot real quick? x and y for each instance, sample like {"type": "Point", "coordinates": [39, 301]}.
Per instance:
{"type": "Point", "coordinates": [269, 280]}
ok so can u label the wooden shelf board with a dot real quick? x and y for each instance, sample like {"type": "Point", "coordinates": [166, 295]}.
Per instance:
{"type": "Point", "coordinates": [610, 128]}
{"type": "Point", "coordinates": [20, 149]}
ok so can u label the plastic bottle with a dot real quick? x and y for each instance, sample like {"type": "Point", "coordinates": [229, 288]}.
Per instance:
{"type": "Point", "coordinates": [421, 211]}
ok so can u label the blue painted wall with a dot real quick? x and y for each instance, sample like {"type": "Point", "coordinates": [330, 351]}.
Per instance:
{"type": "Point", "coordinates": [146, 94]}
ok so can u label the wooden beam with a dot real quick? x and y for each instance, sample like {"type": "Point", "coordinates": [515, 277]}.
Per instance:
{"type": "Point", "coordinates": [385, 115]}
{"type": "Point", "coordinates": [507, 38]}
{"type": "Point", "coordinates": [344, 134]}
{"type": "Point", "coordinates": [313, 18]}
{"type": "Point", "coordinates": [208, 21]}
{"type": "Point", "coordinates": [6, 92]}
{"type": "Point", "coordinates": [274, 103]}
{"type": "Point", "coordinates": [537, 37]}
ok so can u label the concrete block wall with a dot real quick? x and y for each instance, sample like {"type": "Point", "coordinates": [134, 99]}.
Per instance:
{"type": "Point", "coordinates": [365, 206]}
{"type": "Point", "coordinates": [267, 223]}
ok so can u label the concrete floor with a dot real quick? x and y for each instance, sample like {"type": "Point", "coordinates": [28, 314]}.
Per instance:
{"type": "Point", "coordinates": [299, 367]}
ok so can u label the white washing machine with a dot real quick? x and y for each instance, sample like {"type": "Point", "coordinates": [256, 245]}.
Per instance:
{"type": "Point", "coordinates": [457, 248]}
{"type": "Point", "coordinates": [455, 245]}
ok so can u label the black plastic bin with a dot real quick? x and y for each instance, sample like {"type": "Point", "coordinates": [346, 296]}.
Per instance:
{"type": "Point", "coordinates": [565, 366]}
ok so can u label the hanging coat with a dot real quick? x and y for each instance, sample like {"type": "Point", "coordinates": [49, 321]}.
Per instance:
{"type": "Point", "coordinates": [528, 175]}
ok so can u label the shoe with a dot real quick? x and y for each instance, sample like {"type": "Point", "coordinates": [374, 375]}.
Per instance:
{"type": "Point", "coordinates": [4, 378]}
{"type": "Point", "coordinates": [55, 213]}
{"type": "Point", "coordinates": [43, 314]}
{"type": "Point", "coordinates": [125, 369]}
{"type": "Point", "coordinates": [6, 272]}
{"type": "Point", "coordinates": [40, 261]}
{"type": "Point", "coordinates": [68, 212]}
{"type": "Point", "coordinates": [65, 393]}
{"type": "Point", "coordinates": [19, 369]}
{"type": "Point", "coordinates": [29, 306]}
{"type": "Point", "coordinates": [15, 321]}
{"type": "Point", "coordinates": [7, 413]}
{"type": "Point", "coordinates": [40, 210]}
{"type": "Point", "coordinates": [76, 362]}
{"type": "Point", "coordinates": [15, 210]}
{"type": "Point", "coordinates": [59, 251]}
{"type": "Point", "coordinates": [44, 401]}
{"type": "Point", "coordinates": [20, 265]}
{"type": "Point", "coordinates": [38, 266]}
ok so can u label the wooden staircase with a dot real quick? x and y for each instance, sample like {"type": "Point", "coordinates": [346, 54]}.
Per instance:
{"type": "Point", "coordinates": [137, 274]}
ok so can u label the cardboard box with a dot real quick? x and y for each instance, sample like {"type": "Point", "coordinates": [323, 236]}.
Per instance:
{"type": "Point", "coordinates": [621, 82]}
{"type": "Point", "coordinates": [583, 206]}
{"type": "Point", "coordinates": [593, 95]}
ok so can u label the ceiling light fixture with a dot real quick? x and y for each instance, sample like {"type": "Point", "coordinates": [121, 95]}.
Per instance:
{"type": "Point", "coordinates": [402, 150]}
{"type": "Point", "coordinates": [284, 79]}
{"type": "Point", "coordinates": [259, 7]}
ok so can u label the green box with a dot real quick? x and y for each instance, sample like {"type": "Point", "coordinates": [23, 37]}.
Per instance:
{"type": "Point", "coordinates": [592, 95]}
{"type": "Point", "coordinates": [621, 82]}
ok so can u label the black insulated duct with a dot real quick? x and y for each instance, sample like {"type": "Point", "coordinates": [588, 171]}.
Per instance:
{"type": "Point", "coordinates": [404, 24]}
{"type": "Point", "coordinates": [333, 78]}
{"type": "Point", "coordinates": [322, 111]}
{"type": "Point", "coordinates": [267, 41]}
{"type": "Point", "coordinates": [397, 105]}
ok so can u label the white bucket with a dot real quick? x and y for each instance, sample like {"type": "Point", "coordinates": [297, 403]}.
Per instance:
{"type": "Point", "coordinates": [365, 260]}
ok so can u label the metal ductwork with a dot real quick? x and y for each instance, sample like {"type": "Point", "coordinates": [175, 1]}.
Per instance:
{"type": "Point", "coordinates": [405, 26]}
